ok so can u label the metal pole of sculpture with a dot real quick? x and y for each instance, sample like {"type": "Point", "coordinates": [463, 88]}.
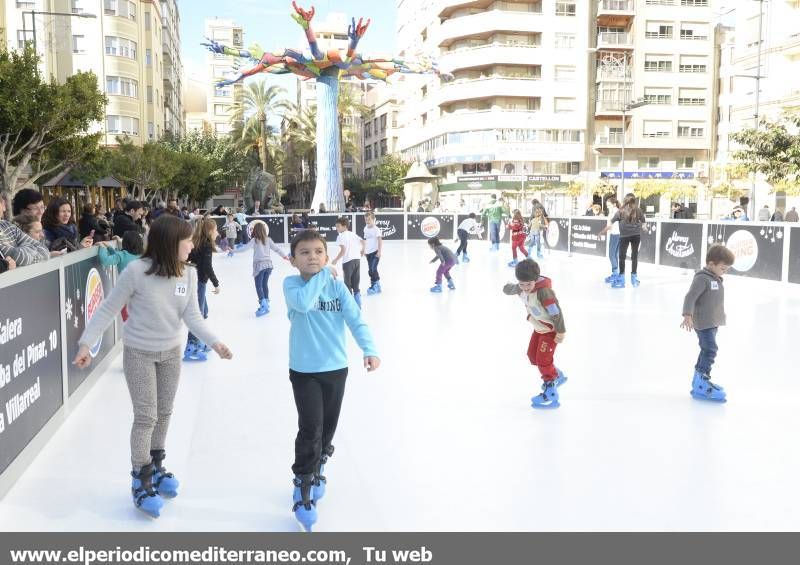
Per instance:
{"type": "Point", "coordinates": [327, 68]}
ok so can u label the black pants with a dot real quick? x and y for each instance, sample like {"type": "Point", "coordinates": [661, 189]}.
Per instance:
{"type": "Point", "coordinates": [464, 237]}
{"type": "Point", "coordinates": [318, 397]}
{"type": "Point", "coordinates": [352, 275]}
{"type": "Point", "coordinates": [633, 241]}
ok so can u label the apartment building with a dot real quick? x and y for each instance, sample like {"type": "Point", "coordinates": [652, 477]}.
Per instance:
{"type": "Point", "coordinates": [380, 126]}
{"type": "Point", "coordinates": [774, 56]}
{"type": "Point", "coordinates": [219, 100]}
{"type": "Point", "coordinates": [174, 111]}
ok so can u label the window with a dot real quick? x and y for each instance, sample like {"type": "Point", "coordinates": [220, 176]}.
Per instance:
{"type": "Point", "coordinates": [691, 129]}
{"type": "Point", "coordinates": [149, 94]}
{"type": "Point", "coordinates": [147, 23]}
{"type": "Point", "coordinates": [120, 47]}
{"type": "Point", "coordinates": [121, 8]}
{"type": "Point", "coordinates": [692, 96]}
{"type": "Point", "coordinates": [79, 44]}
{"type": "Point", "coordinates": [222, 91]}
{"type": "Point", "coordinates": [27, 5]}
{"type": "Point", "coordinates": [383, 123]}
{"type": "Point", "coordinates": [148, 57]}
{"type": "Point", "coordinates": [685, 162]}
{"type": "Point", "coordinates": [660, 2]}
{"type": "Point", "coordinates": [151, 130]}
{"type": "Point", "coordinates": [694, 3]}
{"type": "Point", "coordinates": [383, 147]}
{"type": "Point", "coordinates": [565, 9]}
{"type": "Point", "coordinates": [122, 124]}
{"type": "Point", "coordinates": [605, 162]}
{"type": "Point", "coordinates": [76, 7]}
{"type": "Point", "coordinates": [368, 153]}
{"type": "Point", "coordinates": [694, 30]}
{"type": "Point", "coordinates": [659, 95]}
{"type": "Point", "coordinates": [565, 40]}
{"type": "Point", "coordinates": [367, 130]}
{"type": "Point", "coordinates": [122, 86]}
{"type": "Point", "coordinates": [657, 128]}
{"type": "Point", "coordinates": [693, 64]}
{"type": "Point", "coordinates": [658, 63]}
{"type": "Point", "coordinates": [394, 119]}
{"type": "Point", "coordinates": [565, 73]}
{"type": "Point", "coordinates": [219, 110]}
{"type": "Point", "coordinates": [649, 162]}
{"type": "Point", "coordinates": [23, 36]}
{"type": "Point", "coordinates": [476, 168]}
{"type": "Point", "coordinates": [658, 30]}
{"type": "Point", "coordinates": [564, 105]}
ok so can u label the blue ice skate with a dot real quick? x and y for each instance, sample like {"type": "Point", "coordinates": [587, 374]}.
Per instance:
{"type": "Point", "coordinates": [450, 284]}
{"type": "Point", "coordinates": [145, 498]}
{"type": "Point", "coordinates": [230, 253]}
{"type": "Point", "coordinates": [305, 511]}
{"type": "Point", "coordinates": [634, 281]}
{"type": "Point", "coordinates": [610, 278]}
{"type": "Point", "coordinates": [163, 481]}
{"type": "Point", "coordinates": [371, 290]}
{"type": "Point", "coordinates": [548, 398]}
{"type": "Point", "coordinates": [561, 378]}
{"type": "Point", "coordinates": [436, 288]}
{"type": "Point", "coordinates": [513, 263]}
{"type": "Point", "coordinates": [320, 482]}
{"type": "Point", "coordinates": [618, 282]}
{"type": "Point", "coordinates": [378, 288]}
{"type": "Point", "coordinates": [263, 308]}
{"type": "Point", "coordinates": [194, 352]}
{"type": "Point", "coordinates": [704, 389]}
{"type": "Point", "coordinates": [465, 258]}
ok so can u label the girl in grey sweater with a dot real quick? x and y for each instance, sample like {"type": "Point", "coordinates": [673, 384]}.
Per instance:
{"type": "Point", "coordinates": [160, 291]}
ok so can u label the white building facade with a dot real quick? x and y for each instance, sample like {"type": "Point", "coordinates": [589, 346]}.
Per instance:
{"type": "Point", "coordinates": [219, 100]}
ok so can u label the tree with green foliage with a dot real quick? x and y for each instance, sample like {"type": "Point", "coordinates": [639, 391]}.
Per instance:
{"type": "Point", "coordinates": [43, 124]}
{"type": "Point", "coordinates": [146, 170]}
{"type": "Point", "coordinates": [773, 150]}
{"type": "Point", "coordinates": [389, 174]}
{"type": "Point", "coordinates": [251, 115]}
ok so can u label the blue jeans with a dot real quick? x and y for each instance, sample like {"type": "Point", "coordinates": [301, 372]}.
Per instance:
{"type": "Point", "coordinates": [372, 267]}
{"type": "Point", "coordinates": [203, 304]}
{"type": "Point", "coordinates": [613, 252]}
{"type": "Point", "coordinates": [262, 280]}
{"type": "Point", "coordinates": [536, 241]}
{"type": "Point", "coordinates": [708, 350]}
{"type": "Point", "coordinates": [494, 232]}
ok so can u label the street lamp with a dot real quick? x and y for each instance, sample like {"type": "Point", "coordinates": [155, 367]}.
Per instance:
{"type": "Point", "coordinates": [33, 14]}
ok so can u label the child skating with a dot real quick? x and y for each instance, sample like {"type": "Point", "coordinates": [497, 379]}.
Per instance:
{"type": "Point", "coordinates": [467, 226]}
{"type": "Point", "coordinates": [544, 313]}
{"type": "Point", "coordinates": [132, 249]}
{"type": "Point", "coordinates": [446, 260]}
{"type": "Point", "coordinates": [205, 234]}
{"type": "Point", "coordinates": [704, 312]}
{"type": "Point", "coordinates": [613, 239]}
{"type": "Point", "coordinates": [518, 234]}
{"type": "Point", "coordinates": [373, 249]}
{"type": "Point", "coordinates": [631, 222]}
{"type": "Point", "coordinates": [351, 250]}
{"type": "Point", "coordinates": [318, 306]}
{"type": "Point", "coordinates": [536, 228]}
{"type": "Point", "coordinates": [161, 293]}
{"type": "Point", "coordinates": [231, 229]}
{"type": "Point", "coordinates": [262, 263]}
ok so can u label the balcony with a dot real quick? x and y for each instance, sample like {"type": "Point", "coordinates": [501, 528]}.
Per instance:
{"type": "Point", "coordinates": [489, 87]}
{"type": "Point", "coordinates": [608, 108]}
{"type": "Point", "coordinates": [610, 140]}
{"type": "Point", "coordinates": [615, 13]}
{"type": "Point", "coordinates": [485, 24]}
{"type": "Point", "coordinates": [614, 74]}
{"type": "Point", "coordinates": [489, 54]}
{"type": "Point", "coordinates": [614, 40]}
{"type": "Point", "coordinates": [450, 7]}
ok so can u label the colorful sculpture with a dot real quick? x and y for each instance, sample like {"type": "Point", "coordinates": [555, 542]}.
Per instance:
{"type": "Point", "coordinates": [327, 68]}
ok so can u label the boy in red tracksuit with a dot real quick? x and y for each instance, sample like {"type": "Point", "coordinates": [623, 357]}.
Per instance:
{"type": "Point", "coordinates": [544, 313]}
{"type": "Point", "coordinates": [519, 233]}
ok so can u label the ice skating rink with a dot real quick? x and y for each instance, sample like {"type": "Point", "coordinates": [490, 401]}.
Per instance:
{"type": "Point", "coordinates": [442, 437]}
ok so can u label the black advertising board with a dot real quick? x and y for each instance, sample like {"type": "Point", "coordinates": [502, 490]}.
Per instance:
{"type": "Point", "coordinates": [647, 248]}
{"type": "Point", "coordinates": [557, 234]}
{"type": "Point", "coordinates": [392, 226]}
{"type": "Point", "coordinates": [483, 234]}
{"type": "Point", "coordinates": [31, 382]}
{"type": "Point", "coordinates": [326, 224]}
{"type": "Point", "coordinates": [86, 284]}
{"type": "Point", "coordinates": [425, 226]}
{"type": "Point", "coordinates": [584, 236]}
{"type": "Point", "coordinates": [275, 225]}
{"type": "Point", "coordinates": [794, 256]}
{"type": "Point", "coordinates": [758, 249]}
{"type": "Point", "coordinates": [681, 245]}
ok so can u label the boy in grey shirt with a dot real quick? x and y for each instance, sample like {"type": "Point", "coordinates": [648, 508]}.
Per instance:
{"type": "Point", "coordinates": [704, 312]}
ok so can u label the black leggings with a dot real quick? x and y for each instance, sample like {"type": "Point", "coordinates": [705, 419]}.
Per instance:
{"type": "Point", "coordinates": [633, 241]}
{"type": "Point", "coordinates": [318, 397]}
{"type": "Point", "coordinates": [352, 275]}
{"type": "Point", "coordinates": [464, 237]}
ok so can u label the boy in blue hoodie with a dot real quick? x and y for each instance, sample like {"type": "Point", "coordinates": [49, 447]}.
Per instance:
{"type": "Point", "coordinates": [319, 305]}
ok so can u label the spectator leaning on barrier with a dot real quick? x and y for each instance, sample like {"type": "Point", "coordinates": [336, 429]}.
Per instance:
{"type": "Point", "coordinates": [28, 201]}
{"type": "Point", "coordinates": [792, 215]}
{"type": "Point", "coordinates": [60, 230]}
{"type": "Point", "coordinates": [89, 224]}
{"type": "Point", "coordinates": [764, 214]}
{"type": "Point", "coordinates": [777, 216]}
{"type": "Point", "coordinates": [16, 245]}
{"type": "Point", "coordinates": [127, 220]}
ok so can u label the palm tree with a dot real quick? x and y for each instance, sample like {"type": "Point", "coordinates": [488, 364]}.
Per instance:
{"type": "Point", "coordinates": [258, 104]}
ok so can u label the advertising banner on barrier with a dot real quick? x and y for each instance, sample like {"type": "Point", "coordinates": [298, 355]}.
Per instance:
{"type": "Point", "coordinates": [86, 284]}
{"type": "Point", "coordinates": [794, 257]}
{"type": "Point", "coordinates": [557, 234]}
{"type": "Point", "coordinates": [681, 245]}
{"type": "Point", "coordinates": [274, 223]}
{"type": "Point", "coordinates": [584, 236]}
{"type": "Point", "coordinates": [326, 225]}
{"type": "Point", "coordinates": [647, 249]}
{"type": "Point", "coordinates": [392, 226]}
{"type": "Point", "coordinates": [758, 249]}
{"type": "Point", "coordinates": [425, 226]}
{"type": "Point", "coordinates": [31, 381]}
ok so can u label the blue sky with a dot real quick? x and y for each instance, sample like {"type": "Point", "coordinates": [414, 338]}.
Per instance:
{"type": "Point", "coordinates": [268, 23]}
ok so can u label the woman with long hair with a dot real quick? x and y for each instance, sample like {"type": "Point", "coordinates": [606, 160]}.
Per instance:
{"type": "Point", "coordinates": [60, 230]}
{"type": "Point", "coordinates": [631, 219]}
{"type": "Point", "coordinates": [205, 234]}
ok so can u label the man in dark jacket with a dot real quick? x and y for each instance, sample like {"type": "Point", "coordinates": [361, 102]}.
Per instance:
{"type": "Point", "coordinates": [679, 212]}
{"type": "Point", "coordinates": [127, 221]}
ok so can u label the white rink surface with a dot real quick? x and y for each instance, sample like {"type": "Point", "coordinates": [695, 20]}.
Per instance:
{"type": "Point", "coordinates": [442, 437]}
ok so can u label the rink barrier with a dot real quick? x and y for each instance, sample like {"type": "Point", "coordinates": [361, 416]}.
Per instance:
{"type": "Point", "coordinates": [763, 250]}
{"type": "Point", "coordinates": [44, 309]}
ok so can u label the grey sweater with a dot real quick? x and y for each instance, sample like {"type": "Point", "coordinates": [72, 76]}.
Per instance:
{"type": "Point", "coordinates": [445, 255]}
{"type": "Point", "coordinates": [705, 301]}
{"type": "Point", "coordinates": [261, 257]}
{"type": "Point", "coordinates": [156, 305]}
